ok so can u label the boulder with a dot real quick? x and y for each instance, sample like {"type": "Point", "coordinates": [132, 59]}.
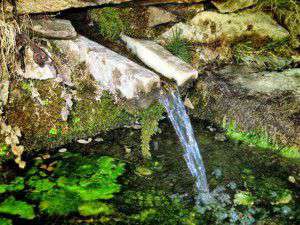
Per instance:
{"type": "Point", "coordinates": [158, 16]}
{"type": "Point", "coordinates": [161, 60]}
{"type": "Point", "coordinates": [53, 29]}
{"type": "Point", "coordinates": [209, 27]}
{"type": "Point", "coordinates": [266, 102]}
{"type": "Point", "coordinates": [105, 91]}
{"type": "Point", "coordinates": [226, 6]}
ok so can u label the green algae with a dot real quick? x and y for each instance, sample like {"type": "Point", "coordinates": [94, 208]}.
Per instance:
{"type": "Point", "coordinates": [75, 185]}
{"type": "Point", "coordinates": [12, 206]}
{"type": "Point", "coordinates": [149, 119]}
{"type": "Point", "coordinates": [259, 139]}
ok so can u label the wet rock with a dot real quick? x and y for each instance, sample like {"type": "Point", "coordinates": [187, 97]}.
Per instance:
{"type": "Point", "coordinates": [237, 93]}
{"type": "Point", "coordinates": [158, 16]}
{"type": "Point", "coordinates": [210, 27]}
{"type": "Point", "coordinates": [226, 6]}
{"type": "Point", "coordinates": [114, 73]}
{"type": "Point", "coordinates": [54, 28]}
{"type": "Point", "coordinates": [162, 61]}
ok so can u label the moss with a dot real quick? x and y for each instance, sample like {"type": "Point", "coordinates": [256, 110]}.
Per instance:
{"type": "Point", "coordinates": [109, 22]}
{"type": "Point", "coordinates": [149, 119]}
{"type": "Point", "coordinates": [179, 47]}
{"type": "Point", "coordinates": [12, 206]}
{"type": "Point", "coordinates": [271, 56]}
{"type": "Point", "coordinates": [259, 139]}
{"type": "Point", "coordinates": [288, 13]}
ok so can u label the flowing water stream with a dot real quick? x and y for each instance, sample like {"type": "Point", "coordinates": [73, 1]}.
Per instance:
{"type": "Point", "coordinates": [184, 130]}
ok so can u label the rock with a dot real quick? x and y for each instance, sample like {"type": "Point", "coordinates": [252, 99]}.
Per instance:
{"type": "Point", "coordinates": [210, 27]}
{"type": "Point", "coordinates": [158, 16]}
{"type": "Point", "coordinates": [188, 103]}
{"type": "Point", "coordinates": [153, 2]}
{"type": "Point", "coordinates": [54, 28]}
{"type": "Point", "coordinates": [236, 93]}
{"type": "Point", "coordinates": [99, 139]}
{"type": "Point", "coordinates": [84, 142]}
{"type": "Point", "coordinates": [204, 55]}
{"type": "Point", "coordinates": [4, 86]}
{"type": "Point", "coordinates": [162, 61]}
{"type": "Point", "coordinates": [33, 70]}
{"type": "Point", "coordinates": [183, 10]}
{"type": "Point", "coordinates": [220, 137]}
{"type": "Point", "coordinates": [226, 6]}
{"type": "Point", "coordinates": [40, 6]}
{"type": "Point", "coordinates": [114, 73]}
{"type": "Point", "coordinates": [62, 150]}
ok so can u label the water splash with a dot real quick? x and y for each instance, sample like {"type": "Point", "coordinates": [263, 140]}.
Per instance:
{"type": "Point", "coordinates": [182, 124]}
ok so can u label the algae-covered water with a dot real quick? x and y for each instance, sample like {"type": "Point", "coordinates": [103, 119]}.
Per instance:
{"type": "Point", "coordinates": [108, 182]}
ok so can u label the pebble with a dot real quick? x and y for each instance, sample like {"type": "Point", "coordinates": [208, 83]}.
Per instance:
{"type": "Point", "coordinates": [62, 150]}
{"type": "Point", "coordinates": [82, 141]}
{"type": "Point", "coordinates": [99, 139]}
{"type": "Point", "coordinates": [211, 128]}
{"type": "Point", "coordinates": [46, 156]}
{"type": "Point", "coordinates": [292, 179]}
{"type": "Point", "coordinates": [220, 137]}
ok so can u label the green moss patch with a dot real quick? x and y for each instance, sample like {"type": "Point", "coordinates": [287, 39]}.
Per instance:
{"type": "Point", "coordinates": [260, 140]}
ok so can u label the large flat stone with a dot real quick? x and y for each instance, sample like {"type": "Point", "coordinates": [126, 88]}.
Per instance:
{"type": "Point", "coordinates": [113, 72]}
{"type": "Point", "coordinates": [40, 6]}
{"type": "Point", "coordinates": [56, 29]}
{"type": "Point", "coordinates": [208, 27]}
{"type": "Point", "coordinates": [255, 101]}
{"type": "Point", "coordinates": [161, 60]}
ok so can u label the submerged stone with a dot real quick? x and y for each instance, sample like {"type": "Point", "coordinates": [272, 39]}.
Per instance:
{"type": "Point", "coordinates": [161, 60]}
{"type": "Point", "coordinates": [209, 26]}
{"type": "Point", "coordinates": [56, 29]}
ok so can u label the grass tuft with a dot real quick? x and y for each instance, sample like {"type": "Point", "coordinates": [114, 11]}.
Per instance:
{"type": "Point", "coordinates": [179, 47]}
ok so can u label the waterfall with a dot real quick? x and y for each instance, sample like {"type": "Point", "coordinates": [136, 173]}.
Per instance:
{"type": "Point", "coordinates": [182, 124]}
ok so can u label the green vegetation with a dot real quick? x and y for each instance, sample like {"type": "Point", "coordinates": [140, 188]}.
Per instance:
{"type": "Point", "coordinates": [149, 119]}
{"type": "Point", "coordinates": [109, 22]}
{"type": "Point", "coordinates": [272, 56]}
{"type": "Point", "coordinates": [179, 47]}
{"type": "Point", "coordinates": [288, 13]}
{"type": "Point", "coordinates": [76, 184]}
{"type": "Point", "coordinates": [260, 140]}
